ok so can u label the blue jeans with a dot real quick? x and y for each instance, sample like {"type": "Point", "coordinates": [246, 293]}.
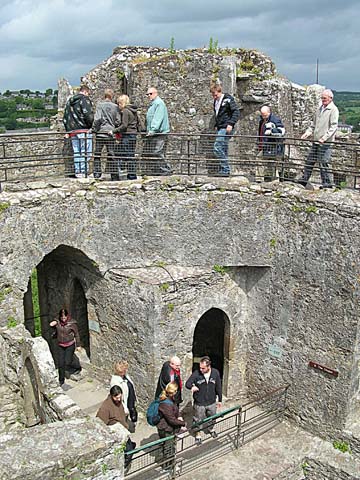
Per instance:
{"type": "Point", "coordinates": [82, 146]}
{"type": "Point", "coordinates": [320, 152]}
{"type": "Point", "coordinates": [221, 147]}
{"type": "Point", "coordinates": [127, 153]}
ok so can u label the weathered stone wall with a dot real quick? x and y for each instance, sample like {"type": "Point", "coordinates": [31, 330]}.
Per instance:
{"type": "Point", "coordinates": [291, 293]}
{"type": "Point", "coordinates": [28, 381]}
{"type": "Point", "coordinates": [77, 448]}
{"type": "Point", "coordinates": [183, 79]}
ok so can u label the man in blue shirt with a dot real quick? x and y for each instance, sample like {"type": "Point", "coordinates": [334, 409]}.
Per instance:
{"type": "Point", "coordinates": [157, 128]}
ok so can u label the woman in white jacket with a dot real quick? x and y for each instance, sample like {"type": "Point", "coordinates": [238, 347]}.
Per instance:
{"type": "Point", "coordinates": [123, 380]}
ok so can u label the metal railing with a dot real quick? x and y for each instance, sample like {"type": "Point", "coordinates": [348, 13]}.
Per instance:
{"type": "Point", "coordinates": [33, 156]}
{"type": "Point", "coordinates": [179, 454]}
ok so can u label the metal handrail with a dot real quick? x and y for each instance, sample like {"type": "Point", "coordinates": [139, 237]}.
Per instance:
{"type": "Point", "coordinates": [178, 454]}
{"type": "Point", "coordinates": [37, 155]}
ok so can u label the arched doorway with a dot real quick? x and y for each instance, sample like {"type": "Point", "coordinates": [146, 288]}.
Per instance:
{"type": "Point", "coordinates": [212, 338]}
{"type": "Point", "coordinates": [60, 280]}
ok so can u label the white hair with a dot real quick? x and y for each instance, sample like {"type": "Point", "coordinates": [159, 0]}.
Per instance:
{"type": "Point", "coordinates": [265, 108]}
{"type": "Point", "coordinates": [328, 92]}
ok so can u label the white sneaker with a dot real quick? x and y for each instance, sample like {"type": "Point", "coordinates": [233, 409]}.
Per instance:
{"type": "Point", "coordinates": [80, 175]}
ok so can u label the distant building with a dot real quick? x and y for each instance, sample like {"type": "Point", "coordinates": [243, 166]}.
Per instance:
{"type": "Point", "coordinates": [21, 106]}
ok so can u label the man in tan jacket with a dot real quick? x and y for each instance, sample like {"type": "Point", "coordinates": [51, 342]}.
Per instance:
{"type": "Point", "coordinates": [324, 128]}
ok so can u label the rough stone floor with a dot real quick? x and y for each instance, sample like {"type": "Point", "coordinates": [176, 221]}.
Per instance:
{"type": "Point", "coordinates": [273, 453]}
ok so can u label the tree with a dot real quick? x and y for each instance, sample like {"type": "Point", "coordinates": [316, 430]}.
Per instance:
{"type": "Point", "coordinates": [10, 124]}
{"type": "Point", "coordinates": [49, 92]}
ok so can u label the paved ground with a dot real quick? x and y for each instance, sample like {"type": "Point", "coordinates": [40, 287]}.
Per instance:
{"type": "Point", "coordinates": [264, 458]}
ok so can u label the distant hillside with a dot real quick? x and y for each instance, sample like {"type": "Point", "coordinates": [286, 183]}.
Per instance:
{"type": "Point", "coordinates": [349, 108]}
{"type": "Point", "coordinates": [26, 109]}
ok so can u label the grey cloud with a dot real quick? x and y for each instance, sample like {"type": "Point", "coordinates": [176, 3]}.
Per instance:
{"type": "Point", "coordinates": [63, 38]}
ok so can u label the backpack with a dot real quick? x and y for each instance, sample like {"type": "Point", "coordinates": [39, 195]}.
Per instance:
{"type": "Point", "coordinates": [153, 416]}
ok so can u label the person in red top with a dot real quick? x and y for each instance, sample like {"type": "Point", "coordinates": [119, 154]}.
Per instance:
{"type": "Point", "coordinates": [67, 335]}
{"type": "Point", "coordinates": [170, 372]}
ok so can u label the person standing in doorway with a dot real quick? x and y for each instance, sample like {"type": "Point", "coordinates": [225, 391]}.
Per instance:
{"type": "Point", "coordinates": [68, 339]}
{"type": "Point", "coordinates": [170, 372]}
{"type": "Point", "coordinates": [323, 130]}
{"type": "Point", "coordinates": [205, 385]}
{"type": "Point", "coordinates": [226, 114]}
{"type": "Point", "coordinates": [157, 128]}
{"type": "Point", "coordinates": [78, 120]}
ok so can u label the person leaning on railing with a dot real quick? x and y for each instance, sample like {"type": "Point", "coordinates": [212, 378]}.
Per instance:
{"type": "Point", "coordinates": [128, 129]}
{"type": "Point", "coordinates": [205, 385]}
{"type": "Point", "coordinates": [78, 120]}
{"type": "Point", "coordinates": [226, 114]}
{"type": "Point", "coordinates": [171, 421]}
{"type": "Point", "coordinates": [107, 119]}
{"type": "Point", "coordinates": [157, 128]}
{"type": "Point", "coordinates": [271, 133]}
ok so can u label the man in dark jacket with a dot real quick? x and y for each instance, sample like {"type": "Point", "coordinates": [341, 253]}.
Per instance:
{"type": "Point", "coordinates": [205, 385]}
{"type": "Point", "coordinates": [78, 119]}
{"type": "Point", "coordinates": [226, 114]}
{"type": "Point", "coordinates": [271, 133]}
{"type": "Point", "coordinates": [107, 119]}
{"type": "Point", "coordinates": [170, 372]}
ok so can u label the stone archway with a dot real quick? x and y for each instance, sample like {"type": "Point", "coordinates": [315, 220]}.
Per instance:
{"type": "Point", "coordinates": [212, 338]}
{"type": "Point", "coordinates": [63, 278]}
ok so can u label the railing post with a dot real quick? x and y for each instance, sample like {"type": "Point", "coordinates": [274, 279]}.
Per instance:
{"type": "Point", "coordinates": [86, 154]}
{"type": "Point", "coordinates": [188, 154]}
{"type": "Point", "coordinates": [172, 472]}
{"type": "Point", "coordinates": [238, 428]}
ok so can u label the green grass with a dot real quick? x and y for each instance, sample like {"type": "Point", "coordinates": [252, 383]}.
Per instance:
{"type": "Point", "coordinates": [35, 301]}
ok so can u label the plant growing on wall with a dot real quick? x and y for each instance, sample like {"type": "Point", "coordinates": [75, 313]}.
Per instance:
{"type": "Point", "coordinates": [4, 206]}
{"type": "Point", "coordinates": [172, 45]}
{"type": "Point", "coordinates": [213, 46]}
{"type": "Point", "coordinates": [11, 322]}
{"type": "Point", "coordinates": [220, 269]}
{"type": "Point", "coordinates": [342, 446]}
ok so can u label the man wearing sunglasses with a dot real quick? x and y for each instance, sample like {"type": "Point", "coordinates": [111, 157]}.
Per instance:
{"type": "Point", "coordinates": [157, 128]}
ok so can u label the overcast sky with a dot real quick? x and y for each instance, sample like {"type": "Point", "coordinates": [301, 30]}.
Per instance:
{"type": "Point", "coordinates": [43, 40]}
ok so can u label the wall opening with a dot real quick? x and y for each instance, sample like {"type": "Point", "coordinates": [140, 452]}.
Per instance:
{"type": "Point", "coordinates": [60, 280]}
{"type": "Point", "coordinates": [212, 338]}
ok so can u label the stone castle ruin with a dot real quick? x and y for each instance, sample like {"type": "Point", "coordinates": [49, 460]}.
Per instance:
{"type": "Point", "coordinates": [264, 279]}
{"type": "Point", "coordinates": [183, 79]}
